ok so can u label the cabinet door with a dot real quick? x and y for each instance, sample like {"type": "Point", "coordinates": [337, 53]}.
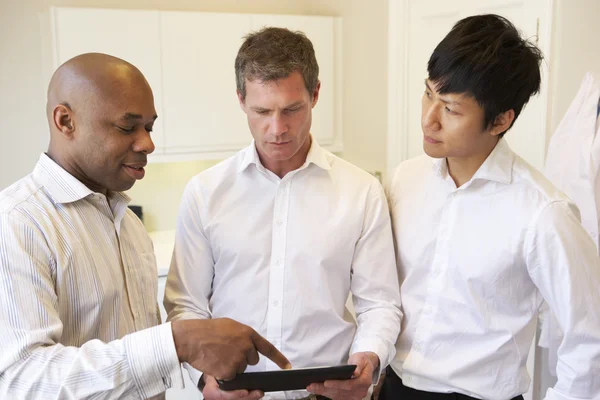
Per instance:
{"type": "Point", "coordinates": [202, 113]}
{"type": "Point", "coordinates": [322, 32]}
{"type": "Point", "coordinates": [428, 22]}
{"type": "Point", "coordinates": [132, 35]}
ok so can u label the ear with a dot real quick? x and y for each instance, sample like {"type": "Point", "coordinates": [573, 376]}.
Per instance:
{"type": "Point", "coordinates": [315, 94]}
{"type": "Point", "coordinates": [62, 116]}
{"type": "Point", "coordinates": [502, 122]}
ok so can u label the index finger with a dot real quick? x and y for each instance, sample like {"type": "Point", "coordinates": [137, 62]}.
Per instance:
{"type": "Point", "coordinates": [265, 347]}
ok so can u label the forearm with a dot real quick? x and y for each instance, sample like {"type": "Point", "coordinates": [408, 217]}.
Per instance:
{"type": "Point", "coordinates": [140, 365]}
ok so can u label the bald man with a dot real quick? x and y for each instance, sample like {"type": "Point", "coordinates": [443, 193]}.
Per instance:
{"type": "Point", "coordinates": [78, 281]}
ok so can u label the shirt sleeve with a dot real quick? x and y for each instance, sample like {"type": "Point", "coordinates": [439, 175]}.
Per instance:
{"type": "Point", "coordinates": [189, 283]}
{"type": "Point", "coordinates": [375, 289]}
{"type": "Point", "coordinates": [563, 263]}
{"type": "Point", "coordinates": [33, 363]}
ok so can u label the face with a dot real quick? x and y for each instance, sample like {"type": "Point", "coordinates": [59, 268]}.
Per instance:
{"type": "Point", "coordinates": [279, 116]}
{"type": "Point", "coordinates": [453, 125]}
{"type": "Point", "coordinates": [112, 136]}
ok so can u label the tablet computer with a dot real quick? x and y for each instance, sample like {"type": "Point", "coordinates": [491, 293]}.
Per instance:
{"type": "Point", "coordinates": [286, 379]}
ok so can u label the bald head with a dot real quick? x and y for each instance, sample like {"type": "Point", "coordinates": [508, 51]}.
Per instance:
{"type": "Point", "coordinates": [100, 112]}
{"type": "Point", "coordinates": [88, 78]}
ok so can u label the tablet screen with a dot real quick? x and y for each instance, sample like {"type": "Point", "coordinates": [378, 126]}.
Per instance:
{"type": "Point", "coordinates": [287, 379]}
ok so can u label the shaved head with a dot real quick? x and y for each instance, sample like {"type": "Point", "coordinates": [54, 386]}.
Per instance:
{"type": "Point", "coordinates": [100, 112]}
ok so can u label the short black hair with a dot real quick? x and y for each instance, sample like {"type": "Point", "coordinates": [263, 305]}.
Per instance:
{"type": "Point", "coordinates": [485, 57]}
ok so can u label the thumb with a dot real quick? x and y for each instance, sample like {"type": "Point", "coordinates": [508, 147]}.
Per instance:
{"type": "Point", "coordinates": [360, 361]}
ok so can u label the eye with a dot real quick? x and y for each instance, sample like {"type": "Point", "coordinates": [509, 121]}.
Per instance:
{"type": "Point", "coordinates": [428, 94]}
{"type": "Point", "coordinates": [261, 112]}
{"type": "Point", "coordinates": [449, 111]}
{"type": "Point", "coordinates": [126, 129]}
{"type": "Point", "coordinates": [292, 110]}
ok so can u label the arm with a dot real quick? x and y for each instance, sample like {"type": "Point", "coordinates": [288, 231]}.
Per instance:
{"type": "Point", "coordinates": [376, 297]}
{"type": "Point", "coordinates": [33, 364]}
{"type": "Point", "coordinates": [375, 288]}
{"type": "Point", "coordinates": [189, 284]}
{"type": "Point", "coordinates": [563, 263]}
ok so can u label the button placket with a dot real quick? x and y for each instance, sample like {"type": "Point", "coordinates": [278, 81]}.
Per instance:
{"type": "Point", "coordinates": [439, 265]}
{"type": "Point", "coordinates": [277, 267]}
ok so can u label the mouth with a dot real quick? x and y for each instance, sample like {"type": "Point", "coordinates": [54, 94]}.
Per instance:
{"type": "Point", "coordinates": [431, 140]}
{"type": "Point", "coordinates": [280, 144]}
{"type": "Point", "coordinates": [135, 170]}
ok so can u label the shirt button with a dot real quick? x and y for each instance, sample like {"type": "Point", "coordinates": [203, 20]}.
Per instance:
{"type": "Point", "coordinates": [275, 303]}
{"type": "Point", "coordinates": [278, 262]}
{"type": "Point", "coordinates": [279, 222]}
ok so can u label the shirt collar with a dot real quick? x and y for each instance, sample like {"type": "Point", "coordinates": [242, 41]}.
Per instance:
{"type": "Point", "coordinates": [497, 167]}
{"type": "Point", "coordinates": [316, 155]}
{"type": "Point", "coordinates": [64, 187]}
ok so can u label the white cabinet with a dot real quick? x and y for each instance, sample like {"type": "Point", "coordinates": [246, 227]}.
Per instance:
{"type": "Point", "coordinates": [132, 35]}
{"type": "Point", "coordinates": [203, 112]}
{"type": "Point", "coordinates": [188, 59]}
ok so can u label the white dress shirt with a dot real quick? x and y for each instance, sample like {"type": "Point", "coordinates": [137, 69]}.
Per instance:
{"type": "Point", "coordinates": [573, 166]}
{"type": "Point", "coordinates": [573, 159]}
{"type": "Point", "coordinates": [282, 255]}
{"type": "Point", "coordinates": [476, 263]}
{"type": "Point", "coordinates": [78, 287]}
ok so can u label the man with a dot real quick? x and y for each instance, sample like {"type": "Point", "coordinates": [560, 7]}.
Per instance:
{"type": "Point", "coordinates": [78, 315]}
{"type": "Point", "coordinates": [278, 235]}
{"type": "Point", "coordinates": [483, 238]}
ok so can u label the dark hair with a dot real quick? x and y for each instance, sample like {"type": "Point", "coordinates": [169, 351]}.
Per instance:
{"type": "Point", "coordinates": [274, 53]}
{"type": "Point", "coordinates": [484, 56]}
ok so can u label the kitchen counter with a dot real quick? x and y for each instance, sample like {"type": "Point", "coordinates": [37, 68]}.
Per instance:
{"type": "Point", "coordinates": [163, 249]}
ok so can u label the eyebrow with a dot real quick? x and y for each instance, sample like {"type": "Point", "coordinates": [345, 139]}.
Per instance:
{"type": "Point", "coordinates": [132, 116]}
{"type": "Point", "coordinates": [296, 104]}
{"type": "Point", "coordinates": [452, 102]}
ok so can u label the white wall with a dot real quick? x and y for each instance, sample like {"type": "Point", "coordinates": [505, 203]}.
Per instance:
{"type": "Point", "coordinates": [575, 50]}
{"type": "Point", "coordinates": [23, 45]}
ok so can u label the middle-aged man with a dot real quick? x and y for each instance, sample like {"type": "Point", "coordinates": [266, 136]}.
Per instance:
{"type": "Point", "coordinates": [78, 280]}
{"type": "Point", "coordinates": [483, 238]}
{"type": "Point", "coordinates": [278, 235]}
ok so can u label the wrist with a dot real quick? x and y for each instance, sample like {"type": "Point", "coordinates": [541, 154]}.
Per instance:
{"type": "Point", "coordinates": [373, 359]}
{"type": "Point", "coordinates": [176, 329]}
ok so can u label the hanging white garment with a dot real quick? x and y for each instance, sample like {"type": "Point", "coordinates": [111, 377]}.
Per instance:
{"type": "Point", "coordinates": [572, 165]}
{"type": "Point", "coordinates": [573, 158]}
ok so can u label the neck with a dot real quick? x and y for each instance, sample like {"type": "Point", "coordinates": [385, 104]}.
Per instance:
{"type": "Point", "coordinates": [282, 167]}
{"type": "Point", "coordinates": [462, 169]}
{"type": "Point", "coordinates": [74, 170]}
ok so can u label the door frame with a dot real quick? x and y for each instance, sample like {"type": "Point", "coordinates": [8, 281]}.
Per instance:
{"type": "Point", "coordinates": [398, 25]}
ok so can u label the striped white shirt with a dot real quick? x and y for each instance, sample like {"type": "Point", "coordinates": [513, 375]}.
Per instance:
{"type": "Point", "coordinates": [78, 284]}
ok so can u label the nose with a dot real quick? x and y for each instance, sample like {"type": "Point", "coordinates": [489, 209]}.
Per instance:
{"type": "Point", "coordinates": [430, 116]}
{"type": "Point", "coordinates": [278, 126]}
{"type": "Point", "coordinates": [144, 143]}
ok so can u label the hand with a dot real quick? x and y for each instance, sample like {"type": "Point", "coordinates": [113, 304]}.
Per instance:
{"type": "Point", "coordinates": [221, 347]}
{"type": "Point", "coordinates": [356, 388]}
{"type": "Point", "coordinates": [211, 391]}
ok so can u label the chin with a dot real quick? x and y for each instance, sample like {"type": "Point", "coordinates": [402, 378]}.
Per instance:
{"type": "Point", "coordinates": [121, 186]}
{"type": "Point", "coordinates": [434, 152]}
{"type": "Point", "coordinates": [281, 155]}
